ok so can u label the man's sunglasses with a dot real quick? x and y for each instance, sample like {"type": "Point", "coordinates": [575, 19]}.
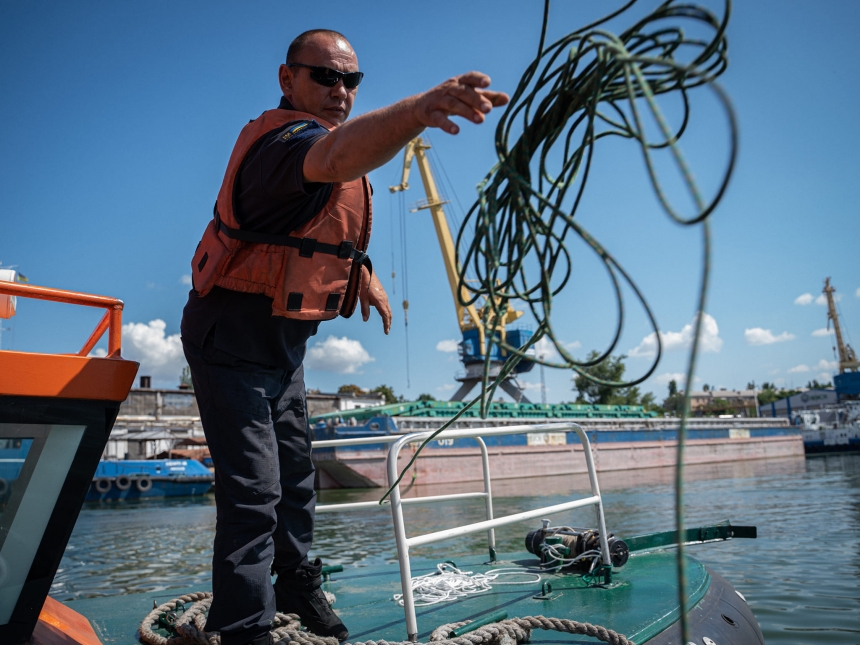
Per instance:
{"type": "Point", "coordinates": [329, 77]}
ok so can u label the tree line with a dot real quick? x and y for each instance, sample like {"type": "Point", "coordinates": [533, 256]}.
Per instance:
{"type": "Point", "coordinates": [612, 369]}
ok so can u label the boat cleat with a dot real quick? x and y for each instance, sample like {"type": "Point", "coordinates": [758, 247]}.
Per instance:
{"type": "Point", "coordinates": [546, 592]}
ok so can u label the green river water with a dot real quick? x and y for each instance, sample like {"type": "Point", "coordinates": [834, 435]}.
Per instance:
{"type": "Point", "coordinates": [801, 576]}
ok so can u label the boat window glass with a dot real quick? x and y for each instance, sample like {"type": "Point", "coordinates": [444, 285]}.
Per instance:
{"type": "Point", "coordinates": [13, 453]}
{"type": "Point", "coordinates": [34, 462]}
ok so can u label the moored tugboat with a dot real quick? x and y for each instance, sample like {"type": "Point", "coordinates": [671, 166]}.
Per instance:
{"type": "Point", "coordinates": [136, 479]}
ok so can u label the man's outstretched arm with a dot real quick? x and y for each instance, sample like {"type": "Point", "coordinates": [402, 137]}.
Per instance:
{"type": "Point", "coordinates": [371, 140]}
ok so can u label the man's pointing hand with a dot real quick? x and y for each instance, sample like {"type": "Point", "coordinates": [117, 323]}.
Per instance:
{"type": "Point", "coordinates": [465, 95]}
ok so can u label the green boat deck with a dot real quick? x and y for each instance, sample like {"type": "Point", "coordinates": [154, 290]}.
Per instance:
{"type": "Point", "coordinates": [641, 602]}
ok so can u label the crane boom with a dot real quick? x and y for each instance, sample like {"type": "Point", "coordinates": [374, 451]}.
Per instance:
{"type": "Point", "coordinates": [477, 322]}
{"type": "Point", "coordinates": [467, 317]}
{"type": "Point", "coordinates": [847, 358]}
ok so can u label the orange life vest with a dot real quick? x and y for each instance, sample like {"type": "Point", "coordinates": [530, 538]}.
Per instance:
{"type": "Point", "coordinates": [312, 274]}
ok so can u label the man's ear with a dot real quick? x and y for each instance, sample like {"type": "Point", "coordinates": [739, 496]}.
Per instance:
{"type": "Point", "coordinates": [285, 78]}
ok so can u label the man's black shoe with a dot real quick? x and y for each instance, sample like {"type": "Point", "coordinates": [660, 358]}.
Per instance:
{"type": "Point", "coordinates": [300, 594]}
{"type": "Point", "coordinates": [265, 639]}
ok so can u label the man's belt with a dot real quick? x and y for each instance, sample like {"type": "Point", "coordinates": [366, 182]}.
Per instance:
{"type": "Point", "coordinates": [307, 246]}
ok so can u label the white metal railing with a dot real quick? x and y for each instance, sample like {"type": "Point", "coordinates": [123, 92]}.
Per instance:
{"type": "Point", "coordinates": [397, 502]}
{"type": "Point", "coordinates": [486, 494]}
{"type": "Point", "coordinates": [404, 542]}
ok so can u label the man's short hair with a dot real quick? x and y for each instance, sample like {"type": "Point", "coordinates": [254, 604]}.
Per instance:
{"type": "Point", "coordinates": [302, 39]}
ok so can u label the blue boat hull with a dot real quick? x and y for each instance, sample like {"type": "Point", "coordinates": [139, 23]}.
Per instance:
{"type": "Point", "coordinates": [820, 448]}
{"type": "Point", "coordinates": [116, 479]}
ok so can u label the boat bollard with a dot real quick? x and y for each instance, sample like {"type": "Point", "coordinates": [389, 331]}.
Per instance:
{"type": "Point", "coordinates": [327, 570]}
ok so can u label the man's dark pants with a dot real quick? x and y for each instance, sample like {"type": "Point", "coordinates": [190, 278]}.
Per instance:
{"type": "Point", "coordinates": [255, 421]}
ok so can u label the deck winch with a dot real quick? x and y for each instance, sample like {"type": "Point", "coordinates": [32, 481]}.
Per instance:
{"type": "Point", "coordinates": [572, 548]}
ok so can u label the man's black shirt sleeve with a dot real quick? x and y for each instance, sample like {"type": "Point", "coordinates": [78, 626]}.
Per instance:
{"type": "Point", "coordinates": [271, 194]}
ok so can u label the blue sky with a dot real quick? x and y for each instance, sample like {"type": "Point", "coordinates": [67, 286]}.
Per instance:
{"type": "Point", "coordinates": [117, 119]}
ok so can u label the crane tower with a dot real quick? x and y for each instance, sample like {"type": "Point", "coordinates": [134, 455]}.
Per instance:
{"type": "Point", "coordinates": [469, 317]}
{"type": "Point", "coordinates": [847, 382]}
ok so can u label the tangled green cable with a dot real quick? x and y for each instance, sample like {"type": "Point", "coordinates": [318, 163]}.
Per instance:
{"type": "Point", "coordinates": [586, 86]}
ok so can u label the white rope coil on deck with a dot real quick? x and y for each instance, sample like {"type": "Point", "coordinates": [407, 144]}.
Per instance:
{"type": "Point", "coordinates": [450, 583]}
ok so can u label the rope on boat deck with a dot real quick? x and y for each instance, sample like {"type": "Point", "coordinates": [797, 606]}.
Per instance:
{"type": "Point", "coordinates": [449, 583]}
{"type": "Point", "coordinates": [519, 630]}
{"type": "Point", "coordinates": [188, 628]}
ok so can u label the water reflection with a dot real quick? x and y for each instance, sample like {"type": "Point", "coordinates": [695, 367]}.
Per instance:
{"type": "Point", "coordinates": [127, 547]}
{"type": "Point", "coordinates": [801, 576]}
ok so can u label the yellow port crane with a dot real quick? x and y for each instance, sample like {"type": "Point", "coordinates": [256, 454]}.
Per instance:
{"type": "Point", "coordinates": [469, 317]}
{"type": "Point", "coordinates": [847, 358]}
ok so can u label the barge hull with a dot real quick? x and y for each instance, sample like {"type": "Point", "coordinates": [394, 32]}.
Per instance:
{"type": "Point", "coordinates": [366, 468]}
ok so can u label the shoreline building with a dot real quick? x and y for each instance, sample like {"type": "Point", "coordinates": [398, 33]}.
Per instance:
{"type": "Point", "coordinates": [322, 403]}
{"type": "Point", "coordinates": [716, 402]}
{"type": "Point", "coordinates": [165, 422]}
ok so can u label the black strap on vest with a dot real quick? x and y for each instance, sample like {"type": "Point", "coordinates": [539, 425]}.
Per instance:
{"type": "Point", "coordinates": [307, 246]}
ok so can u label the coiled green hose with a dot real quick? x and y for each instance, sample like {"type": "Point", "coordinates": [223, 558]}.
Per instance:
{"type": "Point", "coordinates": [587, 86]}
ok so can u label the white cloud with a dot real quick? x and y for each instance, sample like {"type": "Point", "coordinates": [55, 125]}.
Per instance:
{"type": "Point", "coordinates": [679, 378]}
{"type": "Point", "coordinates": [798, 369]}
{"type": "Point", "coordinates": [160, 356]}
{"type": "Point", "coordinates": [830, 366]}
{"type": "Point", "coordinates": [340, 355]}
{"type": "Point", "coordinates": [447, 387]}
{"type": "Point", "coordinates": [710, 340]}
{"type": "Point", "coordinates": [528, 385]}
{"type": "Point", "coordinates": [822, 299]}
{"type": "Point", "coordinates": [759, 336]}
{"type": "Point", "coordinates": [447, 345]}
{"type": "Point", "coordinates": [546, 348]}
{"type": "Point", "coordinates": [804, 299]}
{"type": "Point", "coordinates": [823, 332]}
{"type": "Point", "coordinates": [185, 279]}
{"type": "Point", "coordinates": [825, 377]}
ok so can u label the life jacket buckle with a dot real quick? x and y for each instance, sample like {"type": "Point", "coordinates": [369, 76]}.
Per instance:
{"type": "Point", "coordinates": [306, 250]}
{"type": "Point", "coordinates": [345, 250]}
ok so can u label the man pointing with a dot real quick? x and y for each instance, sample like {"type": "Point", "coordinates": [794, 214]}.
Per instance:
{"type": "Point", "coordinates": [285, 250]}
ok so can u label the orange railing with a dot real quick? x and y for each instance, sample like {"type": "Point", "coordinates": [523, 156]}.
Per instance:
{"type": "Point", "coordinates": [110, 322]}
